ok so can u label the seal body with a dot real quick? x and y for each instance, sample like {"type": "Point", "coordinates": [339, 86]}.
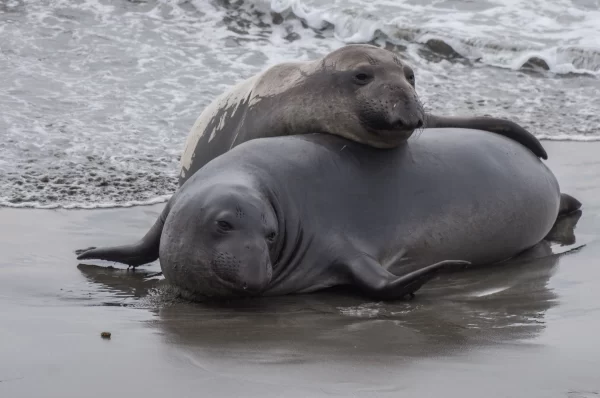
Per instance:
{"type": "Point", "coordinates": [361, 92]}
{"type": "Point", "coordinates": [321, 210]}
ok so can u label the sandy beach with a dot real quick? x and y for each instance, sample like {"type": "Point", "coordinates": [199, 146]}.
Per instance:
{"type": "Point", "coordinates": [527, 329]}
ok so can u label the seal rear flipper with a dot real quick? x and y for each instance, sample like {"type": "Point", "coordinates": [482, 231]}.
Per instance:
{"type": "Point", "coordinates": [503, 127]}
{"type": "Point", "coordinates": [143, 252]}
{"type": "Point", "coordinates": [568, 204]}
{"type": "Point", "coordinates": [563, 230]}
{"type": "Point", "coordinates": [374, 280]}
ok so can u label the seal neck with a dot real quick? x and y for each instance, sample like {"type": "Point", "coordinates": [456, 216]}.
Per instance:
{"type": "Point", "coordinates": [290, 242]}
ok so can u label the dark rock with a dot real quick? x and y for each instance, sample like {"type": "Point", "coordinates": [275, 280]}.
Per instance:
{"type": "Point", "coordinates": [442, 48]}
{"type": "Point", "coordinates": [535, 63]}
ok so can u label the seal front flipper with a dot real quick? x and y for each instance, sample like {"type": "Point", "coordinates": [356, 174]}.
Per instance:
{"type": "Point", "coordinates": [369, 275]}
{"type": "Point", "coordinates": [503, 127]}
{"type": "Point", "coordinates": [143, 252]}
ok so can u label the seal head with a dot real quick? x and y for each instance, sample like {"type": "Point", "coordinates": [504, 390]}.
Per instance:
{"type": "Point", "coordinates": [223, 234]}
{"type": "Point", "coordinates": [381, 89]}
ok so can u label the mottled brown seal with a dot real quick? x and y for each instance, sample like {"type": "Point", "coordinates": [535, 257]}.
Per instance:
{"type": "Point", "coordinates": [360, 92]}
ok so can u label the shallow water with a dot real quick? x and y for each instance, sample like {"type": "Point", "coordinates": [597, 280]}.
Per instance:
{"type": "Point", "coordinates": [97, 96]}
{"type": "Point", "coordinates": [528, 329]}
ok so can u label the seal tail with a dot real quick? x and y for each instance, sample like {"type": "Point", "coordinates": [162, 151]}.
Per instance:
{"type": "Point", "coordinates": [144, 251]}
{"type": "Point", "coordinates": [568, 204]}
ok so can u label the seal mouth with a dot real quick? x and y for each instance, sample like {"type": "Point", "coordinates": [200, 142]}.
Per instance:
{"type": "Point", "coordinates": [253, 291]}
{"type": "Point", "coordinates": [244, 288]}
{"type": "Point", "coordinates": [225, 283]}
{"type": "Point", "coordinates": [397, 130]}
{"type": "Point", "coordinates": [237, 290]}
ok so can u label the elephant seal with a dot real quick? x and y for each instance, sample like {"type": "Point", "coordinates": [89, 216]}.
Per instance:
{"type": "Point", "coordinates": [361, 92]}
{"type": "Point", "coordinates": [322, 210]}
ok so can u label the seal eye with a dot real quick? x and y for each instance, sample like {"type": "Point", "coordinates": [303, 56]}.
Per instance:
{"type": "Point", "coordinates": [362, 78]}
{"type": "Point", "coordinates": [224, 226]}
{"type": "Point", "coordinates": [271, 237]}
{"type": "Point", "coordinates": [410, 75]}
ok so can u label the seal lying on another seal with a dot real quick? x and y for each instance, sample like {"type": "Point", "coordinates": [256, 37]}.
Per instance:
{"type": "Point", "coordinates": [360, 92]}
{"type": "Point", "coordinates": [321, 210]}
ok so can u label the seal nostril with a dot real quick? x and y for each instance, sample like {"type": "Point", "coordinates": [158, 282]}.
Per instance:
{"type": "Point", "coordinates": [419, 124]}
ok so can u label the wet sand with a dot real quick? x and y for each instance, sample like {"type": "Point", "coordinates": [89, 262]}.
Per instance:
{"type": "Point", "coordinates": [527, 329]}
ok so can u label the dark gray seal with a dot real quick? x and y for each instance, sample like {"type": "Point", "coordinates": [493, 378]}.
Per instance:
{"type": "Point", "coordinates": [361, 92]}
{"type": "Point", "coordinates": [321, 210]}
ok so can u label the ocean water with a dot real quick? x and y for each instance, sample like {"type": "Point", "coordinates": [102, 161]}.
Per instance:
{"type": "Point", "coordinates": [98, 96]}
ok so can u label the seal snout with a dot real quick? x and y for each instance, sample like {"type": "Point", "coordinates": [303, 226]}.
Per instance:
{"type": "Point", "coordinates": [256, 275]}
{"type": "Point", "coordinates": [249, 271]}
{"type": "Point", "coordinates": [407, 123]}
{"type": "Point", "coordinates": [392, 110]}
{"type": "Point", "coordinates": [406, 114]}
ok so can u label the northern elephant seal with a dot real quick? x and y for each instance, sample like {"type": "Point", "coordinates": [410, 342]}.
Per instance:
{"type": "Point", "coordinates": [360, 92]}
{"type": "Point", "coordinates": [321, 210]}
